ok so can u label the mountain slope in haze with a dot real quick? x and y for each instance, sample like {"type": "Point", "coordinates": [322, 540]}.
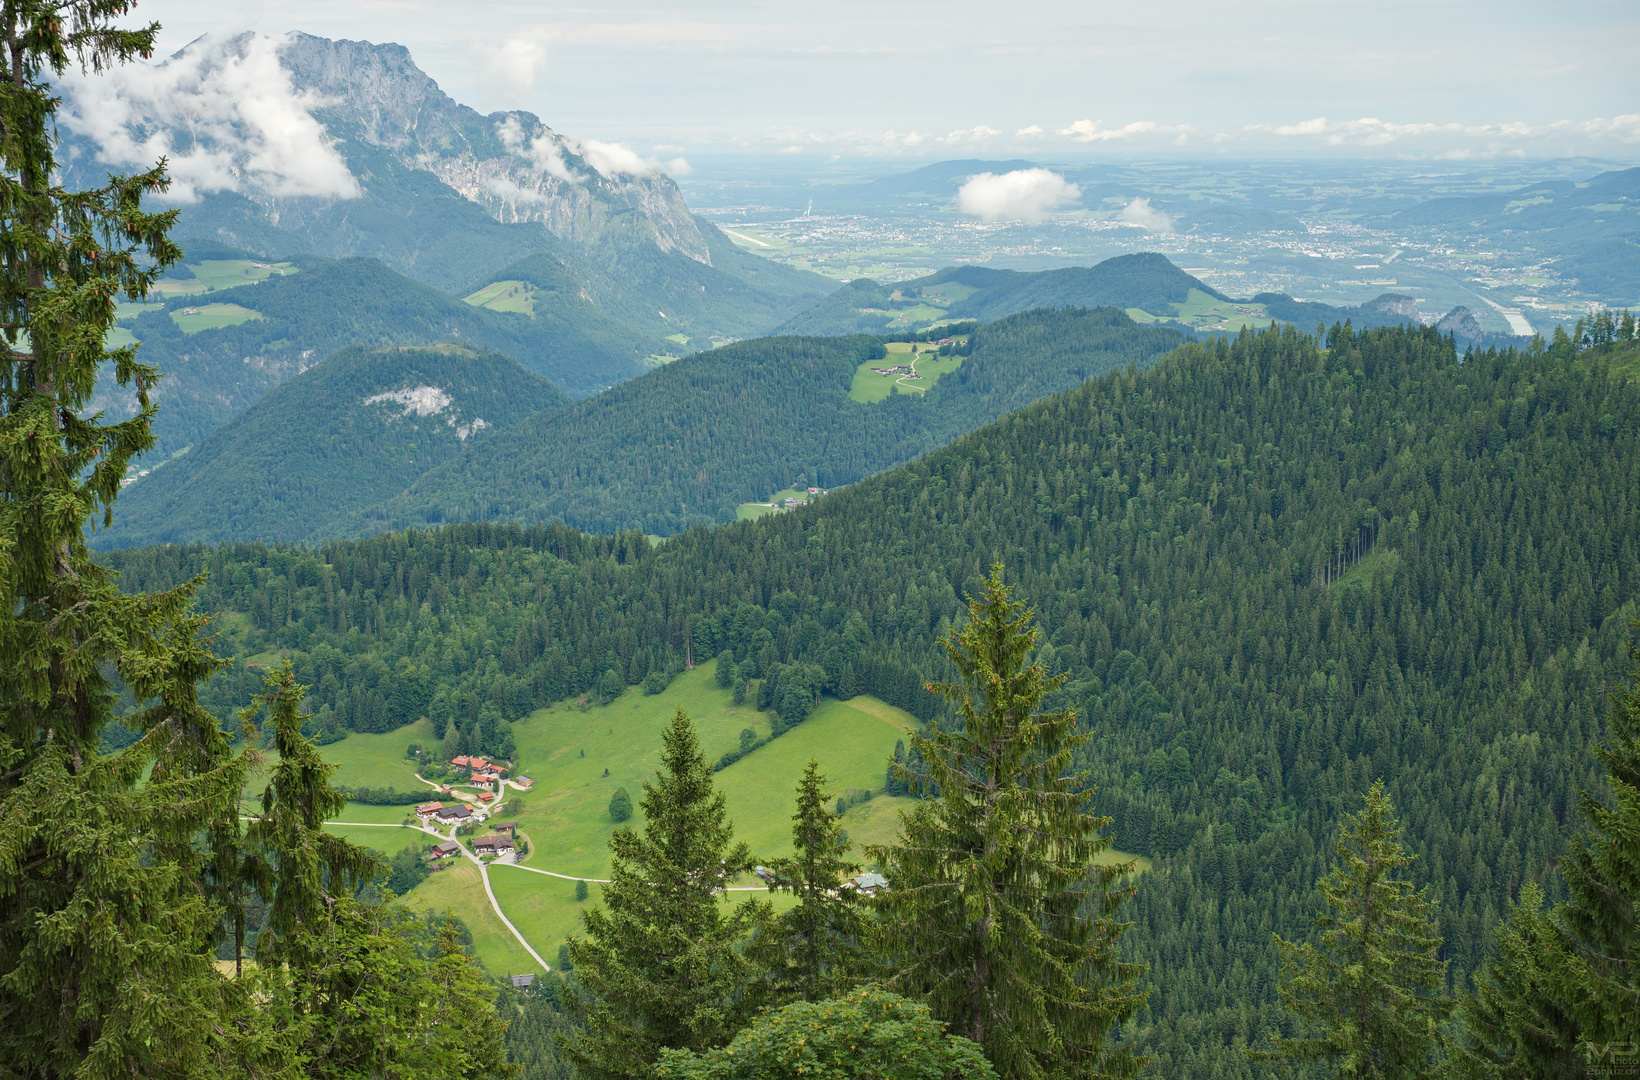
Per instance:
{"type": "Point", "coordinates": [1592, 227]}
{"type": "Point", "coordinates": [685, 444]}
{"type": "Point", "coordinates": [1147, 281]}
{"type": "Point", "coordinates": [358, 427]}
{"type": "Point", "coordinates": [393, 168]}
{"type": "Point", "coordinates": [291, 322]}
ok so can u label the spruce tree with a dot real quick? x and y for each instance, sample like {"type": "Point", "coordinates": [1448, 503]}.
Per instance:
{"type": "Point", "coordinates": [662, 963]}
{"type": "Point", "coordinates": [303, 870]}
{"type": "Point", "coordinates": [108, 905]}
{"type": "Point", "coordinates": [996, 913]}
{"type": "Point", "coordinates": [813, 950]}
{"type": "Point", "coordinates": [1515, 1025]}
{"type": "Point", "coordinates": [1602, 874]}
{"type": "Point", "coordinates": [1371, 991]}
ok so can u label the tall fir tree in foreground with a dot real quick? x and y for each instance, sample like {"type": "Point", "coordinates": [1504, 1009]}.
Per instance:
{"type": "Point", "coordinates": [1602, 874]}
{"type": "Point", "coordinates": [1562, 996]}
{"type": "Point", "coordinates": [108, 916]}
{"type": "Point", "coordinates": [1515, 1025]}
{"type": "Point", "coordinates": [814, 948]}
{"type": "Point", "coordinates": [663, 964]}
{"type": "Point", "coordinates": [1371, 992]}
{"type": "Point", "coordinates": [996, 913]}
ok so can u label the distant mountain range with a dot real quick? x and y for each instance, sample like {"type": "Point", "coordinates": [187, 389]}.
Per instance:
{"type": "Point", "coordinates": [282, 325]}
{"type": "Point", "coordinates": [436, 190]}
{"type": "Point", "coordinates": [1146, 285]}
{"type": "Point", "coordinates": [1593, 227]}
{"type": "Point", "coordinates": [393, 202]}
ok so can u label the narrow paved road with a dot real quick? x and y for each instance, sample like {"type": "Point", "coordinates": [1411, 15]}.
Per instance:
{"type": "Point", "coordinates": [483, 873]}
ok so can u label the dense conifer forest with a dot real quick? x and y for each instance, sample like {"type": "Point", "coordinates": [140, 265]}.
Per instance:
{"type": "Point", "coordinates": [1270, 571]}
{"type": "Point", "coordinates": [683, 445]}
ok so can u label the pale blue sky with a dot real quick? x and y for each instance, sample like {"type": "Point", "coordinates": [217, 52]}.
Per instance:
{"type": "Point", "coordinates": [1456, 78]}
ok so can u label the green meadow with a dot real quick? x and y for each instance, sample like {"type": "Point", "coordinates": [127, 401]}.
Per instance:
{"type": "Point", "coordinates": [515, 296]}
{"type": "Point", "coordinates": [458, 888]}
{"type": "Point", "coordinates": [212, 317]}
{"type": "Point", "coordinates": [579, 754]}
{"type": "Point", "coordinates": [869, 386]}
{"type": "Point", "coordinates": [747, 511]}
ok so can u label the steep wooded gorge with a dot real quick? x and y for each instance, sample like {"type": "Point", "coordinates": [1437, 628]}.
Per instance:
{"type": "Point", "coordinates": [1271, 573]}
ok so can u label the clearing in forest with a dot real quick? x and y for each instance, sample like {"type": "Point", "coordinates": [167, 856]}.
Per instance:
{"type": "Point", "coordinates": [514, 296]}
{"type": "Point", "coordinates": [901, 372]}
{"type": "Point", "coordinates": [191, 320]}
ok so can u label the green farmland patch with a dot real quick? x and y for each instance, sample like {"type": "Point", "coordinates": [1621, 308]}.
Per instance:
{"type": "Point", "coordinates": [870, 386]}
{"type": "Point", "coordinates": [456, 887]}
{"type": "Point", "coordinates": [191, 320]}
{"type": "Point", "coordinates": [211, 275]}
{"type": "Point", "coordinates": [1203, 312]}
{"type": "Point", "coordinates": [514, 296]}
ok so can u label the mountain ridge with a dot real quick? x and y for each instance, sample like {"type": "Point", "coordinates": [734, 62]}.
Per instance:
{"type": "Point", "coordinates": [385, 416]}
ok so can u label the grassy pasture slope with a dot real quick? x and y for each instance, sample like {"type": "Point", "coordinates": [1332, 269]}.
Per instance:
{"type": "Point", "coordinates": [459, 889]}
{"type": "Point", "coordinates": [566, 817]}
{"type": "Point", "coordinates": [516, 296]}
{"type": "Point", "coordinates": [212, 317]}
{"type": "Point", "coordinates": [869, 387]}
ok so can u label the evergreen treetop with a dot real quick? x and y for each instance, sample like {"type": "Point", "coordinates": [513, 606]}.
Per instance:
{"type": "Point", "coordinates": [815, 945]}
{"type": "Point", "coordinates": [108, 915]}
{"type": "Point", "coordinates": [1602, 873]}
{"type": "Point", "coordinates": [996, 913]}
{"type": "Point", "coordinates": [1372, 989]}
{"type": "Point", "coordinates": [662, 964]}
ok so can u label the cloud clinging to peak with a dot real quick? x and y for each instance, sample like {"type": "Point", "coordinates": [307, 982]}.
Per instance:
{"type": "Point", "coordinates": [243, 119]}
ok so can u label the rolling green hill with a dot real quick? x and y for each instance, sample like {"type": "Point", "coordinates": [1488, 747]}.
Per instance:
{"type": "Point", "coordinates": [358, 427]}
{"type": "Point", "coordinates": [688, 443]}
{"type": "Point", "coordinates": [290, 322]}
{"type": "Point", "coordinates": [1270, 573]}
{"type": "Point", "coordinates": [1146, 281]}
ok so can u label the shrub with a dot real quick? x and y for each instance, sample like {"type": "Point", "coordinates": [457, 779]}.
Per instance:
{"type": "Point", "coordinates": [867, 1033]}
{"type": "Point", "coordinates": [620, 805]}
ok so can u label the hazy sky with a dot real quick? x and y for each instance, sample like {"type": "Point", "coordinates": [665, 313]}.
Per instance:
{"type": "Point", "coordinates": [1453, 78]}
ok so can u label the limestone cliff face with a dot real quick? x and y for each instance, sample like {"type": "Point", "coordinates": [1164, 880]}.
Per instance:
{"type": "Point", "coordinates": [1460, 322]}
{"type": "Point", "coordinates": [1393, 305]}
{"type": "Point", "coordinates": [513, 165]}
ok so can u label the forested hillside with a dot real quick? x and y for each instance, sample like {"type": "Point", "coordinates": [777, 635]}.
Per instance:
{"type": "Point", "coordinates": [1270, 572]}
{"type": "Point", "coordinates": [293, 322]}
{"type": "Point", "coordinates": [356, 428]}
{"type": "Point", "coordinates": [685, 444]}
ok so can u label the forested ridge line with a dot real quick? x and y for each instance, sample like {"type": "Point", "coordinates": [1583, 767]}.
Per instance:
{"type": "Point", "coordinates": [685, 444]}
{"type": "Point", "coordinates": [1180, 530]}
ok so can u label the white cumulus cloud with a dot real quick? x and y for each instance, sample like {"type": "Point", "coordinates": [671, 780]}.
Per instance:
{"type": "Point", "coordinates": [512, 68]}
{"type": "Point", "coordinates": [1140, 212]}
{"type": "Point", "coordinates": [223, 111]}
{"type": "Point", "coordinates": [1024, 194]}
{"type": "Point", "coordinates": [1092, 131]}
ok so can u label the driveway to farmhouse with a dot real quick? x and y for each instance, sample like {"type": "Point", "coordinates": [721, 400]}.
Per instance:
{"type": "Point", "coordinates": [483, 873]}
